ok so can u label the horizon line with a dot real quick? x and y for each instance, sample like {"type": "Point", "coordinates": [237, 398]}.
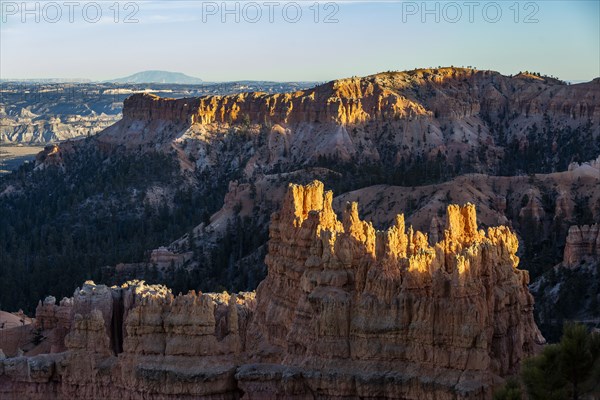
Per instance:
{"type": "Point", "coordinates": [111, 80]}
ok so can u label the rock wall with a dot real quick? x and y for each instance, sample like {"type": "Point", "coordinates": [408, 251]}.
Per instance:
{"type": "Point", "coordinates": [163, 257]}
{"type": "Point", "coordinates": [583, 243]}
{"type": "Point", "coordinates": [346, 311]}
{"type": "Point", "coordinates": [151, 107]}
{"type": "Point", "coordinates": [54, 320]}
{"type": "Point", "coordinates": [138, 341]}
{"type": "Point", "coordinates": [345, 308]}
{"type": "Point", "coordinates": [384, 96]}
{"type": "Point", "coordinates": [449, 106]}
{"type": "Point", "coordinates": [346, 101]}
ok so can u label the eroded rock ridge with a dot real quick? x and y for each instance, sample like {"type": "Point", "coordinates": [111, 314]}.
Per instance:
{"type": "Point", "coordinates": [345, 311]}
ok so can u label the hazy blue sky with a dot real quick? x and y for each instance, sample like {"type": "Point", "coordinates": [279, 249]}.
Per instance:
{"type": "Point", "coordinates": [560, 38]}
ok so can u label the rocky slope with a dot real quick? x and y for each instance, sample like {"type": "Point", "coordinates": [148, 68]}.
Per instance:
{"type": "Point", "coordinates": [346, 311]}
{"type": "Point", "coordinates": [388, 118]}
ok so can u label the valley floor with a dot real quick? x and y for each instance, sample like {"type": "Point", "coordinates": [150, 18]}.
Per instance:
{"type": "Point", "coordinates": [11, 156]}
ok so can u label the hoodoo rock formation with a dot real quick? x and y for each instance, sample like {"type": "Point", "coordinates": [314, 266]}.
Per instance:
{"type": "Point", "coordinates": [348, 311]}
{"type": "Point", "coordinates": [583, 242]}
{"type": "Point", "coordinates": [345, 312]}
{"type": "Point", "coordinates": [136, 341]}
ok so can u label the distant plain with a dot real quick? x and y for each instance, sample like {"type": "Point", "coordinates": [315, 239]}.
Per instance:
{"type": "Point", "coordinates": [12, 156]}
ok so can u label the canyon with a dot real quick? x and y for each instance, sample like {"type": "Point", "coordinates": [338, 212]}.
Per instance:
{"type": "Point", "coordinates": [180, 190]}
{"type": "Point", "coordinates": [345, 311]}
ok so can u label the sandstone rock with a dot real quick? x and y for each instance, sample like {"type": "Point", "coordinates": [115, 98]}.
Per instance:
{"type": "Point", "coordinates": [591, 165]}
{"type": "Point", "coordinates": [163, 257]}
{"type": "Point", "coordinates": [54, 321]}
{"type": "Point", "coordinates": [51, 156]}
{"type": "Point", "coordinates": [436, 230]}
{"type": "Point", "coordinates": [533, 211]}
{"type": "Point", "coordinates": [353, 119]}
{"type": "Point", "coordinates": [345, 312]}
{"type": "Point", "coordinates": [564, 207]}
{"type": "Point", "coordinates": [453, 307]}
{"type": "Point", "coordinates": [583, 242]}
{"type": "Point", "coordinates": [89, 333]}
{"type": "Point", "coordinates": [94, 297]}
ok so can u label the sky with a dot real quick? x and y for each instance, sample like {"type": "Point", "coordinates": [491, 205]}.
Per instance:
{"type": "Point", "coordinates": [295, 41]}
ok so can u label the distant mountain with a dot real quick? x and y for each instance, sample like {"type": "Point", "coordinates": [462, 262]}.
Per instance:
{"type": "Point", "coordinates": [176, 78]}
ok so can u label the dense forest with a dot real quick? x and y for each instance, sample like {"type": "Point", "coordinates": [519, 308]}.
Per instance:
{"type": "Point", "coordinates": [59, 228]}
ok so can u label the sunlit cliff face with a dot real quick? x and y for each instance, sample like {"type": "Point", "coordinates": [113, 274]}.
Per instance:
{"type": "Point", "coordinates": [340, 289]}
{"type": "Point", "coordinates": [347, 102]}
{"type": "Point", "coordinates": [461, 246]}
